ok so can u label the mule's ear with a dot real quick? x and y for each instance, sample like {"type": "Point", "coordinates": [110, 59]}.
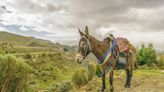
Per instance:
{"type": "Point", "coordinates": [81, 33]}
{"type": "Point", "coordinates": [86, 31]}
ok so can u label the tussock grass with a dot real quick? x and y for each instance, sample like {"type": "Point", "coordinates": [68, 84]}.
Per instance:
{"type": "Point", "coordinates": [14, 74]}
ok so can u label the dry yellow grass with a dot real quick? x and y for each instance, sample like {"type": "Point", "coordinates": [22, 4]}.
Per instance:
{"type": "Point", "coordinates": [143, 81]}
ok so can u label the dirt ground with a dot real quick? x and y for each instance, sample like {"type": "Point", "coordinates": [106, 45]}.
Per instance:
{"type": "Point", "coordinates": [142, 81]}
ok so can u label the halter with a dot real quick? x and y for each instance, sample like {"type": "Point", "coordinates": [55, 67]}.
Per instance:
{"type": "Point", "coordinates": [89, 48]}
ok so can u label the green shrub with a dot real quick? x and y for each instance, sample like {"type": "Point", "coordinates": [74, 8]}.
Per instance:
{"type": "Point", "coordinates": [27, 56]}
{"type": "Point", "coordinates": [66, 86]}
{"type": "Point", "coordinates": [1, 51]}
{"type": "Point", "coordinates": [91, 71]}
{"type": "Point", "coordinates": [80, 77]}
{"type": "Point", "coordinates": [98, 71]}
{"type": "Point", "coordinates": [14, 74]}
{"type": "Point", "coordinates": [160, 60]}
{"type": "Point", "coordinates": [54, 88]}
{"type": "Point", "coordinates": [147, 55]}
{"type": "Point", "coordinates": [44, 55]}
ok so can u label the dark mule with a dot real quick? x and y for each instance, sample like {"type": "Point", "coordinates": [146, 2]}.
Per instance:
{"type": "Point", "coordinates": [127, 51]}
{"type": "Point", "coordinates": [89, 44]}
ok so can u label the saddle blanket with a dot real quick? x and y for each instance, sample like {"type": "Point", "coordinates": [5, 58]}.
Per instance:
{"type": "Point", "coordinates": [123, 44]}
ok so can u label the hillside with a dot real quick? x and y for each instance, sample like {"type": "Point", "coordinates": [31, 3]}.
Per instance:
{"type": "Point", "coordinates": [21, 40]}
{"type": "Point", "coordinates": [50, 63]}
{"type": "Point", "coordinates": [23, 44]}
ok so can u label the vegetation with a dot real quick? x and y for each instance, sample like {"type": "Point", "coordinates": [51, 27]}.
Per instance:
{"type": "Point", "coordinates": [82, 76]}
{"type": "Point", "coordinates": [147, 55]}
{"type": "Point", "coordinates": [160, 60]}
{"type": "Point", "coordinates": [14, 74]}
{"type": "Point", "coordinates": [37, 65]}
{"type": "Point", "coordinates": [143, 81]}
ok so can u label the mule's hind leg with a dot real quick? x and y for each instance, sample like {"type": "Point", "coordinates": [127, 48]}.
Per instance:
{"type": "Point", "coordinates": [128, 77]}
{"type": "Point", "coordinates": [103, 82]}
{"type": "Point", "coordinates": [129, 72]}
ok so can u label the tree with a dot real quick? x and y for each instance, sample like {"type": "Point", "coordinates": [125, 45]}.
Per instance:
{"type": "Point", "coordinates": [147, 55]}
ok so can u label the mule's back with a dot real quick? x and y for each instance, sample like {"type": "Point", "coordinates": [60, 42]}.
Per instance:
{"type": "Point", "coordinates": [123, 44]}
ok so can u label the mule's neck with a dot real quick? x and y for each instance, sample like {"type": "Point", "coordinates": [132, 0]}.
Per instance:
{"type": "Point", "coordinates": [99, 48]}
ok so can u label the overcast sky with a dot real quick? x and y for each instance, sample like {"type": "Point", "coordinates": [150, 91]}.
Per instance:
{"type": "Point", "coordinates": [57, 20]}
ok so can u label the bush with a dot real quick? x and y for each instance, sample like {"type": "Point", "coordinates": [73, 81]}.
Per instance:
{"type": "Point", "coordinates": [27, 56]}
{"type": "Point", "coordinates": [147, 55]}
{"type": "Point", "coordinates": [160, 60]}
{"type": "Point", "coordinates": [54, 88]}
{"type": "Point", "coordinates": [14, 74]}
{"type": "Point", "coordinates": [91, 71]}
{"type": "Point", "coordinates": [98, 71]}
{"type": "Point", "coordinates": [34, 44]}
{"type": "Point", "coordinates": [80, 77]}
{"type": "Point", "coordinates": [65, 86]}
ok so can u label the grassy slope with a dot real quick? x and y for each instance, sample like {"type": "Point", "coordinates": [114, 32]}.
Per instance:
{"type": "Point", "coordinates": [22, 44]}
{"type": "Point", "coordinates": [20, 40]}
{"type": "Point", "coordinates": [49, 64]}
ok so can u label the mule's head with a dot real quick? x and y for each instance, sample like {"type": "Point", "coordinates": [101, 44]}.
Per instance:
{"type": "Point", "coordinates": [84, 47]}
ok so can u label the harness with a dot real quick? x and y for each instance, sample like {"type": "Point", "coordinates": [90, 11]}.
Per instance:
{"type": "Point", "coordinates": [106, 56]}
{"type": "Point", "coordinates": [108, 52]}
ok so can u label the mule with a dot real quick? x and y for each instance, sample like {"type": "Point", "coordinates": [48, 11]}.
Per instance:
{"type": "Point", "coordinates": [89, 44]}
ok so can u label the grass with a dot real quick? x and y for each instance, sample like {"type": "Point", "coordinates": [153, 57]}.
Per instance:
{"type": "Point", "coordinates": [48, 70]}
{"type": "Point", "coordinates": [18, 40]}
{"type": "Point", "coordinates": [142, 81]}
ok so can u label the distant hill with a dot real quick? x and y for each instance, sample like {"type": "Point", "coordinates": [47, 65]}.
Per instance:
{"type": "Point", "coordinates": [22, 44]}
{"type": "Point", "coordinates": [22, 40]}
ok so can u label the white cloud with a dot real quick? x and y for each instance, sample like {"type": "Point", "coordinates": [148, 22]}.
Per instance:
{"type": "Point", "coordinates": [137, 20]}
{"type": "Point", "coordinates": [23, 28]}
{"type": "Point", "coordinates": [3, 28]}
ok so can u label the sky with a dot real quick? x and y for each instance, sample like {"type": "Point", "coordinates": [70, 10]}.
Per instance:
{"type": "Point", "coordinates": [140, 21]}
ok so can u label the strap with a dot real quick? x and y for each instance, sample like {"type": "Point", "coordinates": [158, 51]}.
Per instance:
{"type": "Point", "coordinates": [108, 52]}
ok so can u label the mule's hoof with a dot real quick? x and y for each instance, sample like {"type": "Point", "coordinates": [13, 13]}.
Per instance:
{"type": "Point", "coordinates": [102, 90]}
{"type": "Point", "coordinates": [111, 90]}
{"type": "Point", "coordinates": [127, 86]}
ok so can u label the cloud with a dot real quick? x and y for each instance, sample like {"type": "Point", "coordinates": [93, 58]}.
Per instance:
{"type": "Point", "coordinates": [31, 6]}
{"type": "Point", "coordinates": [23, 28]}
{"type": "Point", "coordinates": [63, 17]}
{"type": "Point", "coordinates": [3, 28]}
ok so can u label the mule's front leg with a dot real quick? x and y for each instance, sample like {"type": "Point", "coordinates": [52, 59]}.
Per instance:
{"type": "Point", "coordinates": [111, 81]}
{"type": "Point", "coordinates": [103, 82]}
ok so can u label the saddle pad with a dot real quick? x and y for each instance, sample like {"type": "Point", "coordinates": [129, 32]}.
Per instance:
{"type": "Point", "coordinates": [123, 44]}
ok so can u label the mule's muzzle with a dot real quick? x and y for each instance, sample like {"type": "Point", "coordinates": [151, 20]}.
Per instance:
{"type": "Point", "coordinates": [79, 58]}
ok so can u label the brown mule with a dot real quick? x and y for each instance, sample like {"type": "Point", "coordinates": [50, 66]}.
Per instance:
{"type": "Point", "coordinates": [88, 44]}
{"type": "Point", "coordinates": [127, 51]}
